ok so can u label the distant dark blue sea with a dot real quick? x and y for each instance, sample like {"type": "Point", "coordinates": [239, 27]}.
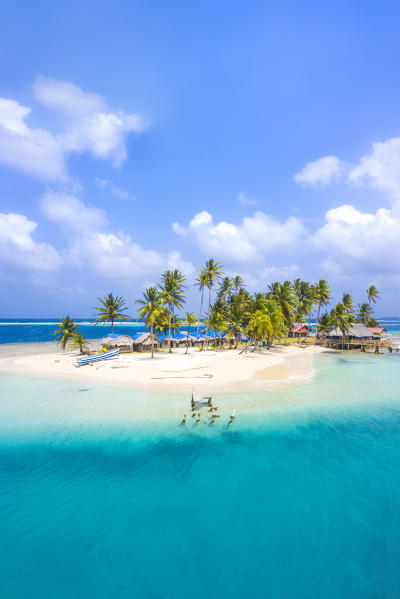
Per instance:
{"type": "Point", "coordinates": [30, 330]}
{"type": "Point", "coordinates": [41, 330]}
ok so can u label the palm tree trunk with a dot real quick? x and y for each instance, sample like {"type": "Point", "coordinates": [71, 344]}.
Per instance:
{"type": "Point", "coordinates": [169, 334]}
{"type": "Point", "coordinates": [201, 308]}
{"type": "Point", "coordinates": [208, 315]}
{"type": "Point", "coordinates": [187, 343]}
{"type": "Point", "coordinates": [112, 326]}
{"type": "Point", "coordinates": [248, 345]}
{"type": "Point", "coordinates": [269, 345]}
{"type": "Point", "coordinates": [152, 341]}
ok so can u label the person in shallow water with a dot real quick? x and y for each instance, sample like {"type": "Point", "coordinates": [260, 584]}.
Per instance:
{"type": "Point", "coordinates": [198, 417]}
{"type": "Point", "coordinates": [184, 419]}
{"type": "Point", "coordinates": [233, 416]}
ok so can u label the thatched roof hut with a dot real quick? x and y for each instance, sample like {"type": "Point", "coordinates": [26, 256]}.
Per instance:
{"type": "Point", "coordinates": [143, 341]}
{"type": "Point", "coordinates": [120, 341]}
{"type": "Point", "coordinates": [356, 331]}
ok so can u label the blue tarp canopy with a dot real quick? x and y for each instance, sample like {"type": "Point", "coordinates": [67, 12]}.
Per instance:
{"type": "Point", "coordinates": [179, 336]}
{"type": "Point", "coordinates": [137, 335]}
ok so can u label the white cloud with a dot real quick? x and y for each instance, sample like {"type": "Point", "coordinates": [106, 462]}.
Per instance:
{"type": "Point", "coordinates": [18, 247]}
{"type": "Point", "coordinates": [67, 97]}
{"type": "Point", "coordinates": [175, 260]}
{"type": "Point", "coordinates": [244, 242]}
{"type": "Point", "coordinates": [320, 172]}
{"type": "Point", "coordinates": [380, 168]}
{"type": "Point", "coordinates": [109, 253]}
{"type": "Point", "coordinates": [179, 230]}
{"type": "Point", "coordinates": [33, 151]}
{"type": "Point", "coordinates": [245, 200]}
{"type": "Point", "coordinates": [68, 210]}
{"type": "Point", "coordinates": [115, 191]}
{"type": "Point", "coordinates": [116, 255]}
{"type": "Point", "coordinates": [87, 126]}
{"type": "Point", "coordinates": [200, 219]}
{"type": "Point", "coordinates": [360, 241]}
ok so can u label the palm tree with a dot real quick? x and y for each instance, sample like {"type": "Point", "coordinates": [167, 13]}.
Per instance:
{"type": "Point", "coordinates": [161, 320]}
{"type": "Point", "coordinates": [347, 302]}
{"type": "Point", "coordinates": [65, 331]}
{"type": "Point", "coordinates": [226, 287]}
{"type": "Point", "coordinates": [172, 296]}
{"type": "Point", "coordinates": [324, 324]}
{"type": "Point", "coordinates": [305, 299]}
{"type": "Point", "coordinates": [238, 283]}
{"type": "Point", "coordinates": [216, 322]}
{"type": "Point", "coordinates": [364, 314]}
{"type": "Point", "coordinates": [111, 308]}
{"type": "Point", "coordinates": [190, 319]}
{"type": "Point", "coordinates": [235, 318]}
{"type": "Point", "coordinates": [267, 323]}
{"type": "Point", "coordinates": [78, 341]}
{"type": "Point", "coordinates": [179, 279]}
{"type": "Point", "coordinates": [372, 294]}
{"type": "Point", "coordinates": [201, 282]}
{"type": "Point", "coordinates": [322, 294]}
{"type": "Point", "coordinates": [284, 296]}
{"type": "Point", "coordinates": [149, 309]}
{"type": "Point", "coordinates": [176, 323]}
{"type": "Point", "coordinates": [213, 273]}
{"type": "Point", "coordinates": [342, 320]}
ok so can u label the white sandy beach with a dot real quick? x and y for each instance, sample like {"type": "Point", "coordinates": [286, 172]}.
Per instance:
{"type": "Point", "coordinates": [204, 370]}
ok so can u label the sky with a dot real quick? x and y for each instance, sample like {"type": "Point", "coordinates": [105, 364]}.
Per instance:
{"type": "Point", "coordinates": [136, 137]}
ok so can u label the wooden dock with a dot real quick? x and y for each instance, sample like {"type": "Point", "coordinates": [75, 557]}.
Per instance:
{"type": "Point", "coordinates": [364, 345]}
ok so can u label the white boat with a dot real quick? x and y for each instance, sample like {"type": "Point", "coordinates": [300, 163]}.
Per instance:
{"type": "Point", "coordinates": [104, 356]}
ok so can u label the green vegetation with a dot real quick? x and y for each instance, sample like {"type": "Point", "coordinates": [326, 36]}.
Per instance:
{"type": "Point", "coordinates": [172, 296]}
{"type": "Point", "coordinates": [78, 341]}
{"type": "Point", "coordinates": [372, 294]}
{"type": "Point", "coordinates": [150, 309]}
{"type": "Point", "coordinates": [232, 312]}
{"type": "Point", "coordinates": [111, 309]}
{"type": "Point", "coordinates": [190, 320]}
{"type": "Point", "coordinates": [65, 331]}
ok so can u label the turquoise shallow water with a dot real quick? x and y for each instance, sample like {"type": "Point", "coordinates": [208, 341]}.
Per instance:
{"type": "Point", "coordinates": [299, 498]}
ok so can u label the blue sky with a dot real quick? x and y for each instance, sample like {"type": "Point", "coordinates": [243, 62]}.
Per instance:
{"type": "Point", "coordinates": [140, 136]}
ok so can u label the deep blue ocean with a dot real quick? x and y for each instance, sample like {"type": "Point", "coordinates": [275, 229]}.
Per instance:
{"type": "Point", "coordinates": [104, 495]}
{"type": "Point", "coordinates": [38, 330]}
{"type": "Point", "coordinates": [27, 330]}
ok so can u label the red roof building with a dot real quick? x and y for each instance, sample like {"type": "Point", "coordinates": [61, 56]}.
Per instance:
{"type": "Point", "coordinates": [299, 330]}
{"type": "Point", "coordinates": [376, 330]}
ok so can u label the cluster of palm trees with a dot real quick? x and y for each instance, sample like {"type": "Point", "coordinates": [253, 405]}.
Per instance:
{"type": "Point", "coordinates": [261, 317]}
{"type": "Point", "coordinates": [344, 314]}
{"type": "Point", "coordinates": [67, 333]}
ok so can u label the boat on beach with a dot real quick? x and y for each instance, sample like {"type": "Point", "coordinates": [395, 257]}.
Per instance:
{"type": "Point", "coordinates": [104, 356]}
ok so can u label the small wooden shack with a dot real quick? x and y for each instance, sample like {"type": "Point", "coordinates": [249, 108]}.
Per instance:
{"type": "Point", "coordinates": [299, 330]}
{"type": "Point", "coordinates": [143, 342]}
{"type": "Point", "coordinates": [122, 342]}
{"type": "Point", "coordinates": [357, 336]}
